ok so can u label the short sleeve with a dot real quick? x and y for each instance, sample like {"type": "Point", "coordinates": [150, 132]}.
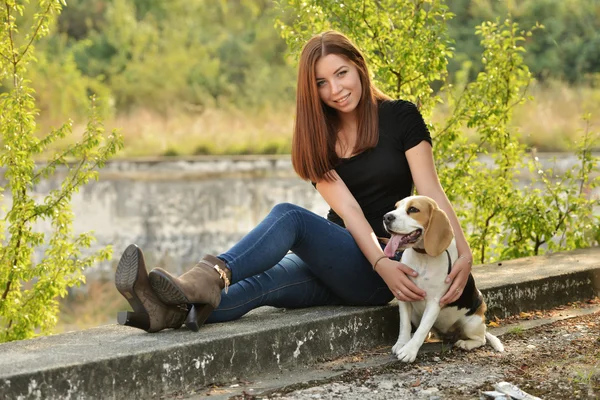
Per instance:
{"type": "Point", "coordinates": [409, 127]}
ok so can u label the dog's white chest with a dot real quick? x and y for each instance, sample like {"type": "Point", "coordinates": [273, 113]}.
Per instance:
{"type": "Point", "coordinates": [432, 272]}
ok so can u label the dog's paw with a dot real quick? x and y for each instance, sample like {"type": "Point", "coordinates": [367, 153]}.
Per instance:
{"type": "Point", "coordinates": [468, 344]}
{"type": "Point", "coordinates": [402, 340]}
{"type": "Point", "coordinates": [399, 345]}
{"type": "Point", "coordinates": [407, 354]}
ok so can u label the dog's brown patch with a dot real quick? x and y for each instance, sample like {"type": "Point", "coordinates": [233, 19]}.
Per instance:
{"type": "Point", "coordinates": [481, 311]}
{"type": "Point", "coordinates": [438, 232]}
{"type": "Point", "coordinates": [425, 206]}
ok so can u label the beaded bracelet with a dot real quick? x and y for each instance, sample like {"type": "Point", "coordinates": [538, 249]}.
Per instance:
{"type": "Point", "coordinates": [379, 259]}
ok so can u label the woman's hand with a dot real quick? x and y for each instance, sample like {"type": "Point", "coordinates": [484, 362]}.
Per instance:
{"type": "Point", "coordinates": [395, 275]}
{"type": "Point", "coordinates": [458, 276]}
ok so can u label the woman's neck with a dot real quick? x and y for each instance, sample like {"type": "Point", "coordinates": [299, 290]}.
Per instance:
{"type": "Point", "coordinates": [347, 123]}
{"type": "Point", "coordinates": [347, 119]}
{"type": "Point", "coordinates": [347, 135]}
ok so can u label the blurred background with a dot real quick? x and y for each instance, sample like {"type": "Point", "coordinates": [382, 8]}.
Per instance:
{"type": "Point", "coordinates": [214, 77]}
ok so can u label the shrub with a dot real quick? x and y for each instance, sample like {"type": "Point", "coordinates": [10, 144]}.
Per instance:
{"type": "Point", "coordinates": [29, 287]}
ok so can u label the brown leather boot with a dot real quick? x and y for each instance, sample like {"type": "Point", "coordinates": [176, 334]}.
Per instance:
{"type": "Point", "coordinates": [149, 313]}
{"type": "Point", "coordinates": [199, 288]}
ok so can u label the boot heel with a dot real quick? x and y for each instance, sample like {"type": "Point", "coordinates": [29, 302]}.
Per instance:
{"type": "Point", "coordinates": [197, 315]}
{"type": "Point", "coordinates": [127, 276]}
{"type": "Point", "coordinates": [139, 320]}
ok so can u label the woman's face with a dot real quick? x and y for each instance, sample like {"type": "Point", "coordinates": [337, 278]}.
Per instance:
{"type": "Point", "coordinates": [338, 83]}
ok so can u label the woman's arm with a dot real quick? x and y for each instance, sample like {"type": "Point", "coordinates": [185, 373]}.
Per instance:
{"type": "Point", "coordinates": [422, 167]}
{"type": "Point", "coordinates": [339, 198]}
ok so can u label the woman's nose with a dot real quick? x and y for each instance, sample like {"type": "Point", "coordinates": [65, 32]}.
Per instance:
{"type": "Point", "coordinates": [335, 87]}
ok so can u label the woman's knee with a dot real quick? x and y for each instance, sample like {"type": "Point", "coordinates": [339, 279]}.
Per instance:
{"type": "Point", "coordinates": [284, 208]}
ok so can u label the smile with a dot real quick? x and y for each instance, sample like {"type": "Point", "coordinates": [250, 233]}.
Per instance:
{"type": "Point", "coordinates": [342, 99]}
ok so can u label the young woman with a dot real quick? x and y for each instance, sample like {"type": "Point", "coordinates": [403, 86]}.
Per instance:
{"type": "Point", "coordinates": [363, 152]}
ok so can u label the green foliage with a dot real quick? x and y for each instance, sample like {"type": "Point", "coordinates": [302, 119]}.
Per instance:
{"type": "Point", "coordinates": [244, 147]}
{"type": "Point", "coordinates": [179, 54]}
{"type": "Point", "coordinates": [567, 49]}
{"type": "Point", "coordinates": [408, 46]}
{"type": "Point", "coordinates": [395, 36]}
{"type": "Point", "coordinates": [61, 88]}
{"type": "Point", "coordinates": [29, 288]}
{"type": "Point", "coordinates": [160, 59]}
{"type": "Point", "coordinates": [191, 56]}
{"type": "Point", "coordinates": [558, 211]}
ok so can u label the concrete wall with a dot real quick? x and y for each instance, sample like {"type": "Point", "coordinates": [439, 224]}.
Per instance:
{"type": "Point", "coordinates": [176, 211]}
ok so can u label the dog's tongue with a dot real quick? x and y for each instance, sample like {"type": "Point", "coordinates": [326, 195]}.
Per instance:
{"type": "Point", "coordinates": [392, 245]}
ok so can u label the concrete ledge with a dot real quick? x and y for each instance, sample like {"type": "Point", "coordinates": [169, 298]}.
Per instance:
{"type": "Point", "coordinates": [115, 362]}
{"type": "Point", "coordinates": [125, 363]}
{"type": "Point", "coordinates": [540, 282]}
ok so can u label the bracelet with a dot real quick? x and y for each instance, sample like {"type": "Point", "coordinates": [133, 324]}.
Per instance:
{"type": "Point", "coordinates": [379, 259]}
{"type": "Point", "coordinates": [469, 260]}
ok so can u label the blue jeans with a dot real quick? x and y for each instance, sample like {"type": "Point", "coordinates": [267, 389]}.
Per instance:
{"type": "Point", "coordinates": [326, 267]}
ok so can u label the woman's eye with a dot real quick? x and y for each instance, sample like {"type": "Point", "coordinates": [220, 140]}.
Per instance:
{"type": "Point", "coordinates": [320, 83]}
{"type": "Point", "coordinates": [412, 210]}
{"type": "Point", "coordinates": [342, 73]}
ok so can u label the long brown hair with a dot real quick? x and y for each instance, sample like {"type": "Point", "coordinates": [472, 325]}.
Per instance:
{"type": "Point", "coordinates": [315, 129]}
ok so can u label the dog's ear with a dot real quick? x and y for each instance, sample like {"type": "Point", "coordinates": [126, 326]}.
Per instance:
{"type": "Point", "coordinates": [439, 233]}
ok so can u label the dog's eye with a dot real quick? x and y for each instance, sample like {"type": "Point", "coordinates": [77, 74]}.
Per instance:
{"type": "Point", "coordinates": [412, 210]}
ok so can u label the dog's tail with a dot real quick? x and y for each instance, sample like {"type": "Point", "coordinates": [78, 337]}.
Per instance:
{"type": "Point", "coordinates": [494, 342]}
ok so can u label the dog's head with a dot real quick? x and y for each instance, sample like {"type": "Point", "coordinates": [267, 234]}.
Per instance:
{"type": "Point", "coordinates": [418, 219]}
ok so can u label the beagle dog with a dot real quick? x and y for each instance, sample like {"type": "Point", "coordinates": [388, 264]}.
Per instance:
{"type": "Point", "coordinates": [420, 228]}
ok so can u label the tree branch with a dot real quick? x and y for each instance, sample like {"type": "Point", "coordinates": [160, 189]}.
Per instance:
{"type": "Point", "coordinates": [487, 225]}
{"type": "Point", "coordinates": [12, 58]}
{"type": "Point", "coordinates": [35, 33]}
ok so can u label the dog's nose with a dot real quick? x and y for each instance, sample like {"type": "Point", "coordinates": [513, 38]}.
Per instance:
{"type": "Point", "coordinates": [388, 218]}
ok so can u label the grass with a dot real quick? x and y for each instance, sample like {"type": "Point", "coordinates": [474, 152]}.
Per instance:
{"type": "Point", "coordinates": [553, 120]}
{"type": "Point", "coordinates": [584, 376]}
{"type": "Point", "coordinates": [580, 370]}
{"type": "Point", "coordinates": [587, 376]}
{"type": "Point", "coordinates": [210, 132]}
{"type": "Point", "coordinates": [516, 330]}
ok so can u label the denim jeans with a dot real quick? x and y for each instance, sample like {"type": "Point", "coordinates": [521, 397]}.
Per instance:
{"type": "Point", "coordinates": [325, 266]}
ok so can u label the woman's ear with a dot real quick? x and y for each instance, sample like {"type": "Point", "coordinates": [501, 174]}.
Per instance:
{"type": "Point", "coordinates": [439, 233]}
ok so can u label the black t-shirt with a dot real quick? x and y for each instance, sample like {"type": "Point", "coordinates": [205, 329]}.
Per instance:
{"type": "Point", "coordinates": [380, 177]}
